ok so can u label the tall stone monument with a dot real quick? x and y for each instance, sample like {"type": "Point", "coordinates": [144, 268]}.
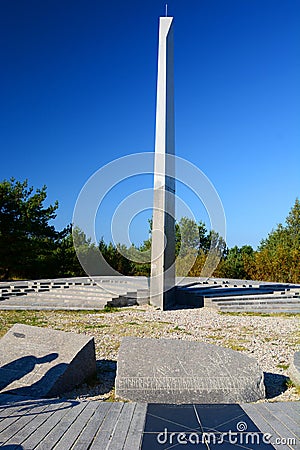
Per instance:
{"type": "Point", "coordinates": [167, 370]}
{"type": "Point", "coordinates": [162, 281]}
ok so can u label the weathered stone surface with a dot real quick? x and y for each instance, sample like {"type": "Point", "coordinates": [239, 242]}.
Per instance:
{"type": "Point", "coordinates": [162, 279]}
{"type": "Point", "coordinates": [294, 370]}
{"type": "Point", "coordinates": [41, 362]}
{"type": "Point", "coordinates": [173, 371]}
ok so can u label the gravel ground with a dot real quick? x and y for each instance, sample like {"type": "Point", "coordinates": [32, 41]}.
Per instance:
{"type": "Point", "coordinates": [271, 340]}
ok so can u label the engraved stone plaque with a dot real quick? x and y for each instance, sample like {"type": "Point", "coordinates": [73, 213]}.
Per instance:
{"type": "Point", "coordinates": [175, 371]}
{"type": "Point", "coordinates": [41, 362]}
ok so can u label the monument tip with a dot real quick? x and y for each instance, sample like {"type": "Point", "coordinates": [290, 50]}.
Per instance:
{"type": "Point", "coordinates": [166, 10]}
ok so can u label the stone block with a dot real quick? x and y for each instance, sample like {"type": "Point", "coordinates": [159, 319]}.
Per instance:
{"type": "Point", "coordinates": [175, 371]}
{"type": "Point", "coordinates": [294, 369]}
{"type": "Point", "coordinates": [42, 362]}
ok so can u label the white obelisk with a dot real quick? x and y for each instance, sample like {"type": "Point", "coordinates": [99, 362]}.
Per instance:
{"type": "Point", "coordinates": [162, 281]}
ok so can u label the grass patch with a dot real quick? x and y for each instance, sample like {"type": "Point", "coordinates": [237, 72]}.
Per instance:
{"type": "Point", "coordinates": [283, 366]}
{"type": "Point", "coordinates": [213, 336]}
{"type": "Point", "coordinates": [144, 329]}
{"type": "Point", "coordinates": [104, 325]}
{"type": "Point", "coordinates": [113, 309]}
{"type": "Point", "coordinates": [47, 318]}
{"type": "Point", "coordinates": [289, 383]}
{"type": "Point", "coordinates": [178, 329]}
{"type": "Point", "coordinates": [246, 330]}
{"type": "Point", "coordinates": [112, 397]}
{"type": "Point", "coordinates": [237, 347]}
{"type": "Point", "coordinates": [76, 312]}
{"type": "Point", "coordinates": [268, 339]}
{"type": "Point", "coordinates": [110, 309]}
{"type": "Point", "coordinates": [33, 318]}
{"type": "Point", "coordinates": [132, 323]}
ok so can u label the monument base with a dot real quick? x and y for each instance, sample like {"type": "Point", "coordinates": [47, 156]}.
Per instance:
{"type": "Point", "coordinates": [173, 371]}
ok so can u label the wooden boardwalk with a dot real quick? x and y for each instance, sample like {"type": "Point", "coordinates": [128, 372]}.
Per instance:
{"type": "Point", "coordinates": [45, 424]}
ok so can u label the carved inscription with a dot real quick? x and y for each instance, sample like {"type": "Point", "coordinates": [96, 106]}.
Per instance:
{"type": "Point", "coordinates": [180, 383]}
{"type": "Point", "coordinates": [175, 371]}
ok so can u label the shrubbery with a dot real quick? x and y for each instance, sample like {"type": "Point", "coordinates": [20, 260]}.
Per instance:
{"type": "Point", "coordinates": [31, 248]}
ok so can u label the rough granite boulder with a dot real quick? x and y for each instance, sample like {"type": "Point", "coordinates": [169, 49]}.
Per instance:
{"type": "Point", "coordinates": [175, 371]}
{"type": "Point", "coordinates": [41, 362]}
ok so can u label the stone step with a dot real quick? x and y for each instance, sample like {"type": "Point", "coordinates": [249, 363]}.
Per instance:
{"type": "Point", "coordinates": [42, 306]}
{"type": "Point", "coordinates": [81, 291]}
{"type": "Point", "coordinates": [270, 307]}
{"type": "Point", "coordinates": [227, 292]}
{"type": "Point", "coordinates": [121, 302]}
{"type": "Point", "coordinates": [12, 294]}
{"type": "Point", "coordinates": [70, 296]}
{"type": "Point", "coordinates": [127, 283]}
{"type": "Point", "coordinates": [261, 309]}
{"type": "Point", "coordinates": [257, 300]}
{"type": "Point", "coordinates": [53, 300]}
{"type": "Point", "coordinates": [67, 291]}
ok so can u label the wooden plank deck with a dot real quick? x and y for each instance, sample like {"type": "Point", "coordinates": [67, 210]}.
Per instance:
{"type": "Point", "coordinates": [44, 424]}
{"type": "Point", "coordinates": [59, 424]}
{"type": "Point", "coordinates": [281, 420]}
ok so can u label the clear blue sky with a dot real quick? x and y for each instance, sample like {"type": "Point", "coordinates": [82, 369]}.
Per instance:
{"type": "Point", "coordinates": [78, 87]}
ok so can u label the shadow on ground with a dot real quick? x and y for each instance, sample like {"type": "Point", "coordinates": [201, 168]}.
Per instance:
{"type": "Point", "coordinates": [25, 406]}
{"type": "Point", "coordinates": [106, 375]}
{"type": "Point", "coordinates": [102, 384]}
{"type": "Point", "coordinates": [275, 384]}
{"type": "Point", "coordinates": [12, 447]}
